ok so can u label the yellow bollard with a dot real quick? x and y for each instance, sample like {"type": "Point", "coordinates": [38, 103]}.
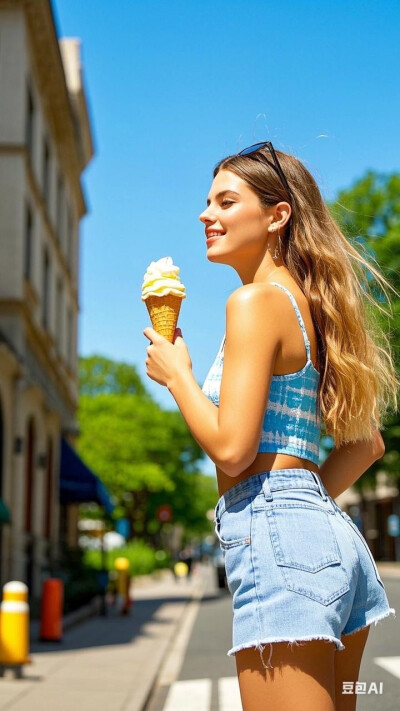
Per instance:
{"type": "Point", "coordinates": [181, 569]}
{"type": "Point", "coordinates": [122, 567]}
{"type": "Point", "coordinates": [14, 625]}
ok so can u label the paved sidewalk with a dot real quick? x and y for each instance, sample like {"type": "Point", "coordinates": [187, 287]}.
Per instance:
{"type": "Point", "coordinates": [107, 663]}
{"type": "Point", "coordinates": [389, 569]}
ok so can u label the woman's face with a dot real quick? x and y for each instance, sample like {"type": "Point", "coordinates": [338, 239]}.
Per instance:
{"type": "Point", "coordinates": [236, 224]}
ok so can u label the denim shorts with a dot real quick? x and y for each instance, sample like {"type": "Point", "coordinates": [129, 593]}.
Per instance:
{"type": "Point", "coordinates": [297, 566]}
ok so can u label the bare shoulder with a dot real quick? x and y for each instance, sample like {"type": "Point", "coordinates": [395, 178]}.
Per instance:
{"type": "Point", "coordinates": [255, 309]}
{"type": "Point", "coordinates": [255, 299]}
{"type": "Point", "coordinates": [252, 295]}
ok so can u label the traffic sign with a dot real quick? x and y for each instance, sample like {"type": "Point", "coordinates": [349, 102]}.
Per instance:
{"type": "Point", "coordinates": [164, 513]}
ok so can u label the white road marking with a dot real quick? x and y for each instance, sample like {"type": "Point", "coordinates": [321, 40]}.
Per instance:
{"type": "Point", "coordinates": [193, 694]}
{"type": "Point", "coordinates": [229, 694]}
{"type": "Point", "coordinates": [390, 664]}
{"type": "Point", "coordinates": [174, 658]}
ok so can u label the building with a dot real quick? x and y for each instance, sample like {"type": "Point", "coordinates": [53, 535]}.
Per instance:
{"type": "Point", "coordinates": [373, 511]}
{"type": "Point", "coordinates": [45, 144]}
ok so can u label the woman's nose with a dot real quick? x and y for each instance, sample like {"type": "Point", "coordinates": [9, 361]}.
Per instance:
{"type": "Point", "coordinates": [205, 217]}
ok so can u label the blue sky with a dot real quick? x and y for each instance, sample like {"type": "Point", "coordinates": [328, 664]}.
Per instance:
{"type": "Point", "coordinates": [175, 86]}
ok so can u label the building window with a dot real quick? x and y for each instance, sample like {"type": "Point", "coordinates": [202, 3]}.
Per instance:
{"type": "Point", "coordinates": [59, 208]}
{"type": "Point", "coordinates": [46, 170]}
{"type": "Point", "coordinates": [28, 243]}
{"type": "Point", "coordinates": [46, 289]}
{"type": "Point", "coordinates": [59, 314]}
{"type": "Point", "coordinates": [30, 123]}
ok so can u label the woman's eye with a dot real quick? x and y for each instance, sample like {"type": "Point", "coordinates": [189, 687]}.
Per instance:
{"type": "Point", "coordinates": [226, 202]}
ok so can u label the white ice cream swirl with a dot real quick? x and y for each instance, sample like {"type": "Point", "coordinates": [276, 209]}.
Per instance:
{"type": "Point", "coordinates": [161, 278]}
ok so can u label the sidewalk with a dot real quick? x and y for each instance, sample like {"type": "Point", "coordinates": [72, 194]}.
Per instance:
{"type": "Point", "coordinates": [389, 569]}
{"type": "Point", "coordinates": [108, 663]}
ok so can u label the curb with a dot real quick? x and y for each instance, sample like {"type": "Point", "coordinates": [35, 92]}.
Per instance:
{"type": "Point", "coordinates": [141, 704]}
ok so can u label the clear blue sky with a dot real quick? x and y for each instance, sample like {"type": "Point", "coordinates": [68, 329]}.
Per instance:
{"type": "Point", "coordinates": [175, 86]}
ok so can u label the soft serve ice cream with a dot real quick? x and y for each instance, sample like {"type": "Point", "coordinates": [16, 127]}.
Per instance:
{"type": "Point", "coordinates": [161, 278]}
{"type": "Point", "coordinates": [163, 293]}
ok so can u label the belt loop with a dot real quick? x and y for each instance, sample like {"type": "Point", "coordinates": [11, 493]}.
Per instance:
{"type": "Point", "coordinates": [320, 485]}
{"type": "Point", "coordinates": [266, 487]}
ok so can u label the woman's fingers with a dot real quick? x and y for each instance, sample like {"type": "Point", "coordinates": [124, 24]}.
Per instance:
{"type": "Point", "coordinates": [153, 336]}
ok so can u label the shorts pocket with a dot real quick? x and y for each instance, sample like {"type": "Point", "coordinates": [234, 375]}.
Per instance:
{"type": "Point", "coordinates": [226, 543]}
{"type": "Point", "coordinates": [307, 553]}
{"type": "Point", "coordinates": [365, 544]}
{"type": "Point", "coordinates": [233, 533]}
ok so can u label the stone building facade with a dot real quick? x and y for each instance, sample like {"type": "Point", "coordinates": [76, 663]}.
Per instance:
{"type": "Point", "coordinates": [45, 144]}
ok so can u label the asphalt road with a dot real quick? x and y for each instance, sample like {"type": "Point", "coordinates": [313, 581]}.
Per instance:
{"type": "Point", "coordinates": [204, 678]}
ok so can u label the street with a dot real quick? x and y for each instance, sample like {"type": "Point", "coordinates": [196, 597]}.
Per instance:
{"type": "Point", "coordinates": [198, 676]}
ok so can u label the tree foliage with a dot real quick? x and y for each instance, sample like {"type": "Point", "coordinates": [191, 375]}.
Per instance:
{"type": "Point", "coordinates": [369, 216]}
{"type": "Point", "coordinates": [145, 455]}
{"type": "Point", "coordinates": [102, 376]}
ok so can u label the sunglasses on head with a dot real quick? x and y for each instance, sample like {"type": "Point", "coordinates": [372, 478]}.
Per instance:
{"type": "Point", "coordinates": [267, 144]}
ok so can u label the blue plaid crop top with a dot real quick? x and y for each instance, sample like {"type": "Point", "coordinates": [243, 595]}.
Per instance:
{"type": "Point", "coordinates": [292, 418]}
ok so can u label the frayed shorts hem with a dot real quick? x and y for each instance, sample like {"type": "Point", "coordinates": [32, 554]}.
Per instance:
{"type": "Point", "coordinates": [374, 621]}
{"type": "Point", "coordinates": [297, 640]}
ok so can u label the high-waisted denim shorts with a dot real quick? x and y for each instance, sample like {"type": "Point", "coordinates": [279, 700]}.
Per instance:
{"type": "Point", "coordinates": [297, 566]}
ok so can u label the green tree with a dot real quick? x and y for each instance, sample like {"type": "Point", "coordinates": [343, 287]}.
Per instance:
{"type": "Point", "coordinates": [369, 215]}
{"type": "Point", "coordinates": [99, 375]}
{"type": "Point", "coordinates": [145, 455]}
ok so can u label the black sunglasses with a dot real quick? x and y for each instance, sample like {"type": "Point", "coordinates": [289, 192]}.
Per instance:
{"type": "Point", "coordinates": [267, 144]}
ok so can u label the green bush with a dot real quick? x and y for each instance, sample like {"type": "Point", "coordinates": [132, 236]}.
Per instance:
{"type": "Point", "coordinates": [142, 558]}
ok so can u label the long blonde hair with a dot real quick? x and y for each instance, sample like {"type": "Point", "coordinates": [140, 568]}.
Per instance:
{"type": "Point", "coordinates": [358, 384]}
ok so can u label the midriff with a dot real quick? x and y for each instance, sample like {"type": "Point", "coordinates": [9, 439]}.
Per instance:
{"type": "Point", "coordinates": [264, 461]}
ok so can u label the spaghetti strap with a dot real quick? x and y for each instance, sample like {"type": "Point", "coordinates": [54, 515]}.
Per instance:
{"type": "Point", "coordinates": [299, 317]}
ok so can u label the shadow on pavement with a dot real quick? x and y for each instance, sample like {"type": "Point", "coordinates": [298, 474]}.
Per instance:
{"type": "Point", "coordinates": [112, 629]}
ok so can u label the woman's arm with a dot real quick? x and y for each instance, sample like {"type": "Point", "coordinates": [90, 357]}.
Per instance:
{"type": "Point", "coordinates": [230, 433]}
{"type": "Point", "coordinates": [345, 465]}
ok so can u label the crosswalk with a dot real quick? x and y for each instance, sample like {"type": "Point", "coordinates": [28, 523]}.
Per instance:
{"type": "Point", "coordinates": [195, 694]}
{"type": "Point", "coordinates": [390, 664]}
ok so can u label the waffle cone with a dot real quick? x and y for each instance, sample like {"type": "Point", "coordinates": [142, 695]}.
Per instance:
{"type": "Point", "coordinates": [164, 312]}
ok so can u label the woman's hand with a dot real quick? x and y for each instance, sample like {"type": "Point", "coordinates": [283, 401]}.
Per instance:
{"type": "Point", "coordinates": [165, 359]}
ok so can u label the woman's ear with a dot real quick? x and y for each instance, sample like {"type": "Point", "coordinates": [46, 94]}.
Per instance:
{"type": "Point", "coordinates": [282, 214]}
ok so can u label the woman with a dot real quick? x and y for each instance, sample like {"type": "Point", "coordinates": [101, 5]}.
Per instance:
{"type": "Point", "coordinates": [299, 349]}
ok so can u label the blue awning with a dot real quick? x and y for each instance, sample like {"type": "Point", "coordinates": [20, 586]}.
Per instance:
{"type": "Point", "coordinates": [77, 483]}
{"type": "Point", "coordinates": [5, 516]}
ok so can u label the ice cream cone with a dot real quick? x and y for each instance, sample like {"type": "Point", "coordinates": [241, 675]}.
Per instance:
{"type": "Point", "coordinates": [163, 292]}
{"type": "Point", "coordinates": [164, 312]}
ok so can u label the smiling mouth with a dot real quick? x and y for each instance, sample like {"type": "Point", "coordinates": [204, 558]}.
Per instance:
{"type": "Point", "coordinates": [214, 236]}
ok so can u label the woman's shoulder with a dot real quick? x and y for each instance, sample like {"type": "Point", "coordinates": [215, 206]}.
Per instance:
{"type": "Point", "coordinates": [250, 293]}
{"type": "Point", "coordinates": [255, 310]}
{"type": "Point", "coordinates": [258, 293]}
